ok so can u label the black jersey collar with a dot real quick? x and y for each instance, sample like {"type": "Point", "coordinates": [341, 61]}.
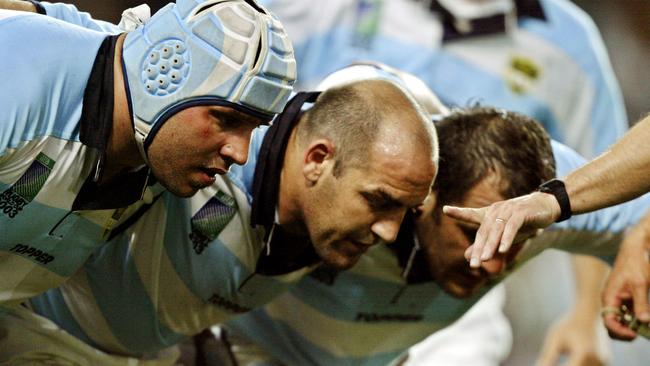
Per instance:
{"type": "Point", "coordinates": [285, 253]}
{"type": "Point", "coordinates": [406, 249]}
{"type": "Point", "coordinates": [95, 126]}
{"type": "Point", "coordinates": [492, 24]}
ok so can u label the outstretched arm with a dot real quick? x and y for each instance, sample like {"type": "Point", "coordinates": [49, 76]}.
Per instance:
{"type": "Point", "coordinates": [616, 176]}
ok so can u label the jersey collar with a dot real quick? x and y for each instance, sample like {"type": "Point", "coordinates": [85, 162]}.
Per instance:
{"type": "Point", "coordinates": [95, 126]}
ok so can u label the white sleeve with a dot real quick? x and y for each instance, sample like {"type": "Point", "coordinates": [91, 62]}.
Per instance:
{"type": "Point", "coordinates": [481, 337]}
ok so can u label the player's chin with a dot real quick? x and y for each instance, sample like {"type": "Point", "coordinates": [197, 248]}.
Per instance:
{"type": "Point", "coordinates": [462, 289]}
{"type": "Point", "coordinates": [341, 261]}
{"type": "Point", "coordinates": [184, 190]}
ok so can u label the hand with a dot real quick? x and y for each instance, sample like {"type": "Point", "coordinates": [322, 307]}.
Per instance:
{"type": "Point", "coordinates": [628, 283]}
{"type": "Point", "coordinates": [576, 336]}
{"type": "Point", "coordinates": [506, 222]}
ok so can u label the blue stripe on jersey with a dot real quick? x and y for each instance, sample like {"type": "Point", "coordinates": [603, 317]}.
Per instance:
{"type": "Point", "coordinates": [36, 111]}
{"type": "Point", "coordinates": [51, 305]}
{"type": "Point", "coordinates": [479, 86]}
{"type": "Point", "coordinates": [200, 272]}
{"type": "Point", "coordinates": [584, 46]}
{"type": "Point", "coordinates": [116, 286]}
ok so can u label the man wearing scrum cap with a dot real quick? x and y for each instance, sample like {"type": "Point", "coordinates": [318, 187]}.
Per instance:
{"type": "Point", "coordinates": [321, 186]}
{"type": "Point", "coordinates": [100, 117]}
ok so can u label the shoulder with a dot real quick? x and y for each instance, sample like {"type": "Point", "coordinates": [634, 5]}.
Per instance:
{"type": "Point", "coordinates": [566, 159]}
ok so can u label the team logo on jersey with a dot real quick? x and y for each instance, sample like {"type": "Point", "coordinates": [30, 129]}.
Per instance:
{"type": "Point", "coordinates": [367, 19]}
{"type": "Point", "coordinates": [16, 197]}
{"type": "Point", "coordinates": [211, 219]}
{"type": "Point", "coordinates": [521, 74]}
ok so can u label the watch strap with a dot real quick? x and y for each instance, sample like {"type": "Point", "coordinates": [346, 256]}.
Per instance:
{"type": "Point", "coordinates": [557, 188]}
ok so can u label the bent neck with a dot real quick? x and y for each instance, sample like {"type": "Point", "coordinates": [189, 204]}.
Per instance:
{"type": "Point", "coordinates": [122, 152]}
{"type": "Point", "coordinates": [289, 208]}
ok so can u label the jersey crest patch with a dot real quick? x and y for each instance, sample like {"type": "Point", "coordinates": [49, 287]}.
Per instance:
{"type": "Point", "coordinates": [23, 191]}
{"type": "Point", "coordinates": [211, 219]}
{"type": "Point", "coordinates": [522, 73]}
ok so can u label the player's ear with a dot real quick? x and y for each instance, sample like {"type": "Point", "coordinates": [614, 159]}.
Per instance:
{"type": "Point", "coordinates": [318, 159]}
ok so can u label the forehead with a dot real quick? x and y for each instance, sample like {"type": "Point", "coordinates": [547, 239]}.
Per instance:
{"type": "Point", "coordinates": [235, 114]}
{"type": "Point", "coordinates": [407, 179]}
{"type": "Point", "coordinates": [485, 191]}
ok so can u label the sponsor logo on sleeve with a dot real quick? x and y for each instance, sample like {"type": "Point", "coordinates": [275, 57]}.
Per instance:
{"type": "Point", "coordinates": [32, 253]}
{"type": "Point", "coordinates": [23, 191]}
{"type": "Point", "coordinates": [224, 303]}
{"type": "Point", "coordinates": [211, 219]}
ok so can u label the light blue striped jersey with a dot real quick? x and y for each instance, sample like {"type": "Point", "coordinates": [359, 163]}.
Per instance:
{"type": "Point", "coordinates": [369, 315]}
{"type": "Point", "coordinates": [44, 163]}
{"type": "Point", "coordinates": [70, 14]}
{"type": "Point", "coordinates": [183, 266]}
{"type": "Point", "coordinates": [555, 70]}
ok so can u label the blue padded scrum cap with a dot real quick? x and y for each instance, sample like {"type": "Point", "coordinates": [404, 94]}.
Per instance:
{"type": "Point", "coordinates": [231, 53]}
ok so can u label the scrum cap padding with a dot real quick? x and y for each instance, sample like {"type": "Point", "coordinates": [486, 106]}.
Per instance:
{"type": "Point", "coordinates": [219, 52]}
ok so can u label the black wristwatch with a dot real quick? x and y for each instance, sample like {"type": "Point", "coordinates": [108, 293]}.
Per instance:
{"type": "Point", "coordinates": [556, 188]}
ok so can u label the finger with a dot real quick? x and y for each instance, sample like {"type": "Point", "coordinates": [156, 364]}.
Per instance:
{"type": "Point", "coordinates": [494, 239]}
{"type": "Point", "coordinates": [550, 353]}
{"type": "Point", "coordinates": [613, 297]}
{"type": "Point", "coordinates": [471, 215]}
{"type": "Point", "coordinates": [617, 330]}
{"type": "Point", "coordinates": [640, 297]}
{"type": "Point", "coordinates": [479, 243]}
{"type": "Point", "coordinates": [510, 233]}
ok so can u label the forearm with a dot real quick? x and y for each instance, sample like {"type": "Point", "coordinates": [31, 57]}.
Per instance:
{"type": "Point", "coordinates": [616, 176]}
{"type": "Point", "coordinates": [590, 274]}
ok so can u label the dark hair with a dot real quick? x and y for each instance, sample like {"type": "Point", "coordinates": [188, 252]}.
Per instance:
{"type": "Point", "coordinates": [479, 140]}
{"type": "Point", "coordinates": [352, 115]}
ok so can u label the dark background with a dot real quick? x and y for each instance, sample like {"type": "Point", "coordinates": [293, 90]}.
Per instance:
{"type": "Point", "coordinates": [624, 25]}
